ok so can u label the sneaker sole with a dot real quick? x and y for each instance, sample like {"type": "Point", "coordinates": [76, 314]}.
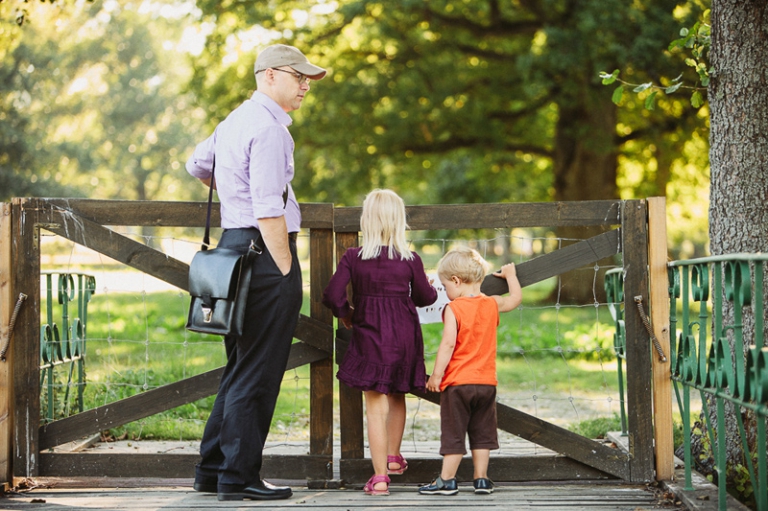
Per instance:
{"type": "Point", "coordinates": [483, 492]}
{"type": "Point", "coordinates": [439, 492]}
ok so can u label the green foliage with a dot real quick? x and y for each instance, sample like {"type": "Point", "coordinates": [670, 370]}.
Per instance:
{"type": "Point", "coordinates": [697, 41]}
{"type": "Point", "coordinates": [597, 428]}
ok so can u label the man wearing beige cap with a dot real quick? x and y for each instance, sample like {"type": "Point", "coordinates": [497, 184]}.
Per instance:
{"type": "Point", "coordinates": [253, 154]}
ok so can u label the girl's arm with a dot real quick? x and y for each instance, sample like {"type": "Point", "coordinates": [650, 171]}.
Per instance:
{"type": "Point", "coordinates": [445, 351]}
{"type": "Point", "coordinates": [422, 292]}
{"type": "Point", "coordinates": [335, 294]}
{"type": "Point", "coordinates": [515, 297]}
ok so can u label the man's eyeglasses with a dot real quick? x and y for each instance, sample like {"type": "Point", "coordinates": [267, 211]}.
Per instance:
{"type": "Point", "coordinates": [303, 79]}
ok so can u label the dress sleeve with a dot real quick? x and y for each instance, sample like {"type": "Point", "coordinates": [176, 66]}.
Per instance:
{"type": "Point", "coordinates": [422, 292]}
{"type": "Point", "coordinates": [335, 294]}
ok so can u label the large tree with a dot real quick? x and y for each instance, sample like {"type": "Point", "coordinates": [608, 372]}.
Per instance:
{"type": "Point", "coordinates": [462, 101]}
{"type": "Point", "coordinates": [738, 98]}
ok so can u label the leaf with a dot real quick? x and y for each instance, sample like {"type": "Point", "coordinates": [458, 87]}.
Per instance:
{"type": "Point", "coordinates": [650, 101]}
{"type": "Point", "coordinates": [680, 77]}
{"type": "Point", "coordinates": [697, 100]}
{"type": "Point", "coordinates": [617, 94]}
{"type": "Point", "coordinates": [673, 88]}
{"type": "Point", "coordinates": [609, 78]}
{"type": "Point", "coordinates": [691, 62]}
{"type": "Point", "coordinates": [642, 87]}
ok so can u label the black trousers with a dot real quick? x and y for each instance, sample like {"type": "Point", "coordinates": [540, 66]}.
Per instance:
{"type": "Point", "coordinates": [237, 428]}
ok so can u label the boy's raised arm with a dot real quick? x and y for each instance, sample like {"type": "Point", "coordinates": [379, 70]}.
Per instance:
{"type": "Point", "coordinates": [515, 297]}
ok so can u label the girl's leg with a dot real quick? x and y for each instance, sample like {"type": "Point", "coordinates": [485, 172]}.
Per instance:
{"type": "Point", "coordinates": [451, 464]}
{"type": "Point", "coordinates": [376, 412]}
{"type": "Point", "coordinates": [395, 427]}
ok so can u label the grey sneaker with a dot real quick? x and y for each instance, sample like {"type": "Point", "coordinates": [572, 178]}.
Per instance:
{"type": "Point", "coordinates": [483, 486]}
{"type": "Point", "coordinates": [440, 487]}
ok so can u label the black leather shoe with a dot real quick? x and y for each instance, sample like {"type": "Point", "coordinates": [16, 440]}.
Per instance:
{"type": "Point", "coordinates": [483, 486]}
{"type": "Point", "coordinates": [206, 484]}
{"type": "Point", "coordinates": [260, 490]}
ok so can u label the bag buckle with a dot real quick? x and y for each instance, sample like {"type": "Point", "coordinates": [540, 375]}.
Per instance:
{"type": "Point", "coordinates": [207, 314]}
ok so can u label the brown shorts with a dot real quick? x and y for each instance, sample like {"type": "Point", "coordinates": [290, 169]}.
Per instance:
{"type": "Point", "coordinates": [468, 410]}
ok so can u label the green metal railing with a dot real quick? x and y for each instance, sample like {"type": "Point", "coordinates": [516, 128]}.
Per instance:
{"type": "Point", "coordinates": [63, 346]}
{"type": "Point", "coordinates": [614, 290]}
{"type": "Point", "coordinates": [704, 359]}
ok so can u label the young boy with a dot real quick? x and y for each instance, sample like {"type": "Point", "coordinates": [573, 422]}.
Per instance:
{"type": "Point", "coordinates": [465, 367]}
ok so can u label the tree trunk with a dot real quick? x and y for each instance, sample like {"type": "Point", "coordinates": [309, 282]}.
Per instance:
{"type": "Point", "coordinates": [738, 100]}
{"type": "Point", "coordinates": [585, 169]}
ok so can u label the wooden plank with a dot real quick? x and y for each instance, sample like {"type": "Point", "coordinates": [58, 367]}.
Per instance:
{"type": "Point", "coordinates": [501, 468]}
{"type": "Point", "coordinates": [664, 446]}
{"type": "Point", "coordinates": [25, 347]}
{"type": "Point", "coordinates": [560, 261]}
{"type": "Point", "coordinates": [492, 216]}
{"type": "Point", "coordinates": [170, 213]}
{"type": "Point", "coordinates": [7, 304]}
{"type": "Point", "coordinates": [152, 401]}
{"type": "Point", "coordinates": [350, 400]}
{"type": "Point", "coordinates": [581, 449]}
{"type": "Point", "coordinates": [105, 241]}
{"type": "Point", "coordinates": [638, 351]}
{"type": "Point", "coordinates": [321, 371]}
{"type": "Point", "coordinates": [315, 333]}
{"type": "Point", "coordinates": [101, 464]}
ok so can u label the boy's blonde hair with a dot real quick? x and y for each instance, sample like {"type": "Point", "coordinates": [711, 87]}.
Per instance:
{"type": "Point", "coordinates": [465, 263]}
{"type": "Point", "coordinates": [383, 224]}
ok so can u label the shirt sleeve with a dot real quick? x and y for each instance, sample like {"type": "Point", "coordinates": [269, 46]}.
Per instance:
{"type": "Point", "coordinates": [200, 163]}
{"type": "Point", "coordinates": [335, 294]}
{"type": "Point", "coordinates": [270, 167]}
{"type": "Point", "coordinates": [422, 292]}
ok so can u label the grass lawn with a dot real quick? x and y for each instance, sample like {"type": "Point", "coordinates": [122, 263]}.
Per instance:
{"type": "Point", "coordinates": [137, 341]}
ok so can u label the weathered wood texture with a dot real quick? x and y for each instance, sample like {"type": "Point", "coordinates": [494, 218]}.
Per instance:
{"type": "Point", "coordinates": [284, 466]}
{"type": "Point", "coordinates": [350, 400]}
{"type": "Point", "coordinates": [321, 371]}
{"type": "Point", "coordinates": [153, 401]}
{"type": "Point", "coordinates": [508, 469]}
{"type": "Point", "coordinates": [638, 352]}
{"type": "Point", "coordinates": [167, 214]}
{"type": "Point", "coordinates": [25, 347]}
{"type": "Point", "coordinates": [557, 262]}
{"type": "Point", "coordinates": [664, 446]}
{"type": "Point", "coordinates": [142, 494]}
{"type": "Point", "coordinates": [7, 304]}
{"type": "Point", "coordinates": [581, 449]}
{"type": "Point", "coordinates": [491, 216]}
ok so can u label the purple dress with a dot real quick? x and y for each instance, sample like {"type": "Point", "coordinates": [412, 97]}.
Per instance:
{"type": "Point", "coordinates": [386, 352]}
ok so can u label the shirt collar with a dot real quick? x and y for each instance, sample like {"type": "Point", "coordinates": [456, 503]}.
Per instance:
{"type": "Point", "coordinates": [271, 105]}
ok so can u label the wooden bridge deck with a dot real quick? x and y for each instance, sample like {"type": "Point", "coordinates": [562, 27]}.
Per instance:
{"type": "Point", "coordinates": [113, 494]}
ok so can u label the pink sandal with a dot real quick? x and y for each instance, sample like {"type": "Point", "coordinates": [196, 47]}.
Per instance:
{"type": "Point", "coordinates": [370, 489]}
{"type": "Point", "coordinates": [400, 461]}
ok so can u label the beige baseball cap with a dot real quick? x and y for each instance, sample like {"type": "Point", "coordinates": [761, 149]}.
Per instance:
{"type": "Point", "coordinates": [279, 55]}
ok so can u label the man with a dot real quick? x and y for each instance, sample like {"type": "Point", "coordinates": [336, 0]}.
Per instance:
{"type": "Point", "coordinates": [253, 170]}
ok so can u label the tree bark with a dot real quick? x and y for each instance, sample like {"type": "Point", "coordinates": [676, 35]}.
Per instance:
{"type": "Point", "coordinates": [585, 169]}
{"type": "Point", "coordinates": [738, 101]}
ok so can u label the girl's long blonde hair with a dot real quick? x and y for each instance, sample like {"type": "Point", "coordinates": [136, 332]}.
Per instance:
{"type": "Point", "coordinates": [383, 224]}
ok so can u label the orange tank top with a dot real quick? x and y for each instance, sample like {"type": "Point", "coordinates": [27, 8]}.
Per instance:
{"type": "Point", "coordinates": [474, 357]}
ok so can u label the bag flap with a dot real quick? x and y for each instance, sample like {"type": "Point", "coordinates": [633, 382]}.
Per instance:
{"type": "Point", "coordinates": [214, 273]}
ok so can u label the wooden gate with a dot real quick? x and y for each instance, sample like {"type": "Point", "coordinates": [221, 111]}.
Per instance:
{"type": "Point", "coordinates": [83, 221]}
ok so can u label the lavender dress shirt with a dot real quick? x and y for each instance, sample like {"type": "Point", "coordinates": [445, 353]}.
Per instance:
{"type": "Point", "coordinates": [254, 164]}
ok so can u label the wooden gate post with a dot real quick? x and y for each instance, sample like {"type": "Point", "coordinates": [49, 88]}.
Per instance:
{"type": "Point", "coordinates": [321, 372]}
{"type": "Point", "coordinates": [662, 378]}
{"type": "Point", "coordinates": [634, 229]}
{"type": "Point", "coordinates": [25, 347]}
{"type": "Point", "coordinates": [6, 375]}
{"type": "Point", "coordinates": [350, 400]}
